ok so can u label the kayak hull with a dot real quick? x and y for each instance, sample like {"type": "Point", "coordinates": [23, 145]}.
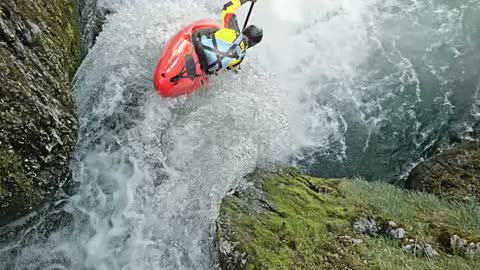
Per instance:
{"type": "Point", "coordinates": [171, 79]}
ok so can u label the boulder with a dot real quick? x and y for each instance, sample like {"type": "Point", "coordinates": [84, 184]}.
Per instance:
{"type": "Point", "coordinates": [453, 174]}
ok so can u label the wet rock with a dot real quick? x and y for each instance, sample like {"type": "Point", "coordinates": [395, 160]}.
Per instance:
{"type": "Point", "coordinates": [365, 226]}
{"type": "Point", "coordinates": [39, 52]}
{"type": "Point", "coordinates": [7, 35]}
{"type": "Point", "coordinates": [229, 257]}
{"type": "Point", "coordinates": [232, 258]}
{"type": "Point", "coordinates": [92, 17]}
{"type": "Point", "coordinates": [453, 174]}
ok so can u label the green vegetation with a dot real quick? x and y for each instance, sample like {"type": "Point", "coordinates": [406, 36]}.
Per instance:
{"type": "Point", "coordinates": [75, 51]}
{"type": "Point", "coordinates": [15, 184]}
{"type": "Point", "coordinates": [293, 221]}
{"type": "Point", "coordinates": [421, 211]}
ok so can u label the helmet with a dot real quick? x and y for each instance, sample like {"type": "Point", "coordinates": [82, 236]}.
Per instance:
{"type": "Point", "coordinates": [254, 35]}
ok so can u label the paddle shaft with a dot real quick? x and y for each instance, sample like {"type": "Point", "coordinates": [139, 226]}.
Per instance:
{"type": "Point", "coordinates": [248, 16]}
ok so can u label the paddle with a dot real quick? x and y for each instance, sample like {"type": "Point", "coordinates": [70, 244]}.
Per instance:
{"type": "Point", "coordinates": [248, 16]}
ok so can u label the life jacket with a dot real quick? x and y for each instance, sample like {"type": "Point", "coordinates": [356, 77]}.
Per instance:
{"type": "Point", "coordinates": [219, 53]}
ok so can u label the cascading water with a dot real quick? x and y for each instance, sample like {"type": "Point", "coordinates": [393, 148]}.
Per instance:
{"type": "Point", "coordinates": [361, 87]}
{"type": "Point", "coordinates": [150, 173]}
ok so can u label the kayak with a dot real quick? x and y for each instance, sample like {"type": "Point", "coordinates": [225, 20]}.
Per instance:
{"type": "Point", "coordinates": [178, 71]}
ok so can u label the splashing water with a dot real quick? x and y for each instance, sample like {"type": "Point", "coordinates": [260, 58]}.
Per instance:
{"type": "Point", "coordinates": [361, 87]}
{"type": "Point", "coordinates": [384, 82]}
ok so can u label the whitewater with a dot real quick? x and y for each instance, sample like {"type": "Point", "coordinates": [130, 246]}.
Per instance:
{"type": "Point", "coordinates": [337, 88]}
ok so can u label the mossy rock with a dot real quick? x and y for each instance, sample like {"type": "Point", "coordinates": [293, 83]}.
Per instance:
{"type": "Point", "coordinates": [92, 15]}
{"type": "Point", "coordinates": [287, 220]}
{"type": "Point", "coordinates": [39, 53]}
{"type": "Point", "coordinates": [453, 174]}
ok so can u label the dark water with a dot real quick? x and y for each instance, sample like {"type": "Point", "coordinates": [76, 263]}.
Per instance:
{"type": "Point", "coordinates": [416, 93]}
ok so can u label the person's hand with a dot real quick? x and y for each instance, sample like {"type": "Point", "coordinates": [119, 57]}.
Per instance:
{"type": "Point", "coordinates": [253, 1]}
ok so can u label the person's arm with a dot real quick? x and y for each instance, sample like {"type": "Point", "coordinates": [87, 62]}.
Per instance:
{"type": "Point", "coordinates": [229, 19]}
{"type": "Point", "coordinates": [234, 65]}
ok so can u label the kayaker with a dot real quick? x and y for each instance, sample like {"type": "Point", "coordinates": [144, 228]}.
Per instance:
{"type": "Point", "coordinates": [225, 48]}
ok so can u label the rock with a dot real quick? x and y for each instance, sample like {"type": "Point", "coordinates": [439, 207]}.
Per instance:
{"type": "Point", "coordinates": [472, 250]}
{"type": "Point", "coordinates": [394, 231]}
{"type": "Point", "coordinates": [357, 241]}
{"type": "Point", "coordinates": [226, 247]}
{"type": "Point", "coordinates": [92, 17]}
{"type": "Point", "coordinates": [413, 247]}
{"type": "Point", "coordinates": [430, 251]}
{"type": "Point", "coordinates": [365, 226]}
{"type": "Point", "coordinates": [349, 240]}
{"type": "Point", "coordinates": [460, 245]}
{"type": "Point", "coordinates": [398, 233]}
{"type": "Point", "coordinates": [457, 243]}
{"type": "Point", "coordinates": [453, 174]}
{"type": "Point", "coordinates": [7, 35]}
{"type": "Point", "coordinates": [229, 257]}
{"type": "Point", "coordinates": [425, 249]}
{"type": "Point", "coordinates": [235, 258]}
{"type": "Point", "coordinates": [39, 53]}
{"type": "Point", "coordinates": [392, 225]}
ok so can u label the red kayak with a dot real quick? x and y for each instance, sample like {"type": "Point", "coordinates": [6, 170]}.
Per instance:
{"type": "Point", "coordinates": [178, 71]}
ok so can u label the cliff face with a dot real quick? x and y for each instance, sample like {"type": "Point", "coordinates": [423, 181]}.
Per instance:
{"type": "Point", "coordinates": [288, 220]}
{"type": "Point", "coordinates": [92, 16]}
{"type": "Point", "coordinates": [39, 53]}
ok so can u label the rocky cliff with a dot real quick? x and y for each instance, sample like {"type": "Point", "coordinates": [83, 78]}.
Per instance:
{"type": "Point", "coordinates": [39, 53]}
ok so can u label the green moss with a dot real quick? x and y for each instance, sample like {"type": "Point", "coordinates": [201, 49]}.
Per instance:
{"type": "Point", "coordinates": [37, 66]}
{"type": "Point", "coordinates": [299, 234]}
{"type": "Point", "coordinates": [3, 192]}
{"type": "Point", "coordinates": [308, 216]}
{"type": "Point", "coordinates": [16, 189]}
{"type": "Point", "coordinates": [16, 73]}
{"type": "Point", "coordinates": [60, 17]}
{"type": "Point", "coordinates": [74, 38]}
